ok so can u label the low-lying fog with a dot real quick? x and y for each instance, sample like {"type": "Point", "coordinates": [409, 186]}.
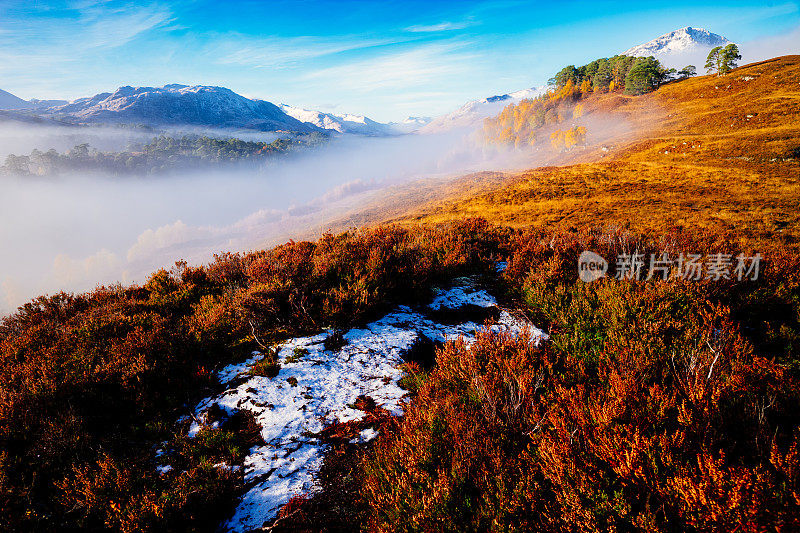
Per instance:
{"type": "Point", "coordinates": [21, 140]}
{"type": "Point", "coordinates": [74, 232]}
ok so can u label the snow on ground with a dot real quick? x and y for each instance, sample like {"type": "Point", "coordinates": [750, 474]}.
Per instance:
{"type": "Point", "coordinates": [292, 413]}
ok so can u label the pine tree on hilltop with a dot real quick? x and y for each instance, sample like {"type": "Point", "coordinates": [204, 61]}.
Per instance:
{"type": "Point", "coordinates": [687, 72]}
{"type": "Point", "coordinates": [723, 60]}
{"type": "Point", "coordinates": [712, 61]}
{"type": "Point", "coordinates": [728, 58]}
{"type": "Point", "coordinates": [646, 75]}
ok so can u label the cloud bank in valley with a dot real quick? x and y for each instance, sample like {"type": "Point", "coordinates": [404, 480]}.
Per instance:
{"type": "Point", "coordinates": [75, 232]}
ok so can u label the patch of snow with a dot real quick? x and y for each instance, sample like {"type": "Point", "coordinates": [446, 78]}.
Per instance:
{"type": "Point", "coordinates": [327, 386]}
{"type": "Point", "coordinates": [461, 295]}
{"type": "Point", "coordinates": [368, 434]}
{"type": "Point", "coordinates": [227, 374]}
{"type": "Point", "coordinates": [163, 469]}
{"type": "Point", "coordinates": [225, 466]}
{"type": "Point", "coordinates": [365, 435]}
{"type": "Point", "coordinates": [518, 326]}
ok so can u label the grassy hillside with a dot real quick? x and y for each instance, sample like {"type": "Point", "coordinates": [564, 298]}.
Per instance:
{"type": "Point", "coordinates": [648, 409]}
{"type": "Point", "coordinates": [717, 153]}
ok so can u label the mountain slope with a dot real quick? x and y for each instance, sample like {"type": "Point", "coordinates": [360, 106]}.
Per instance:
{"type": "Point", "coordinates": [181, 105]}
{"type": "Point", "coordinates": [45, 104]}
{"type": "Point", "coordinates": [472, 113]}
{"type": "Point", "coordinates": [713, 153]}
{"type": "Point", "coordinates": [9, 101]}
{"type": "Point", "coordinates": [681, 42]}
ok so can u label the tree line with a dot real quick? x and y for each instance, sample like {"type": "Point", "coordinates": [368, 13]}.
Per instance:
{"type": "Point", "coordinates": [634, 75]}
{"type": "Point", "coordinates": [161, 154]}
{"type": "Point", "coordinates": [519, 124]}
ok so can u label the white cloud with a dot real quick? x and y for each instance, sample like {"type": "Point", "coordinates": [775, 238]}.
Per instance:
{"type": "Point", "coordinates": [281, 52]}
{"type": "Point", "coordinates": [59, 42]}
{"type": "Point", "coordinates": [260, 217]}
{"type": "Point", "coordinates": [769, 47]}
{"type": "Point", "coordinates": [152, 241]}
{"type": "Point", "coordinates": [13, 295]}
{"type": "Point", "coordinates": [442, 26]}
{"type": "Point", "coordinates": [116, 28]}
{"type": "Point", "coordinates": [418, 67]}
{"type": "Point", "coordinates": [102, 266]}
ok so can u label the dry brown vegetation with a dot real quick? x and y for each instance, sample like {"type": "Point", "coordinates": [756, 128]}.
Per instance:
{"type": "Point", "coordinates": [92, 384]}
{"type": "Point", "coordinates": [661, 405]}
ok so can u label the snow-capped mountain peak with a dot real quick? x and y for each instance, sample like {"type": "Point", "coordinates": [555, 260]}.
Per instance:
{"type": "Point", "coordinates": [684, 40]}
{"type": "Point", "coordinates": [176, 104]}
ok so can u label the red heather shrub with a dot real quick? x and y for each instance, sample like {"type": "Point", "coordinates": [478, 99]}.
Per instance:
{"type": "Point", "coordinates": [91, 383]}
{"type": "Point", "coordinates": [461, 459]}
{"type": "Point", "coordinates": [647, 410]}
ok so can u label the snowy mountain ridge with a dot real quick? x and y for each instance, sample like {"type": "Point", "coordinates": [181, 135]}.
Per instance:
{"type": "Point", "coordinates": [347, 123]}
{"type": "Point", "coordinates": [205, 106]}
{"type": "Point", "coordinates": [176, 104]}
{"type": "Point", "coordinates": [680, 41]}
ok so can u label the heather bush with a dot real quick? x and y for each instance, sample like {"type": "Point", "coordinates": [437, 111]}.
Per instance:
{"type": "Point", "coordinates": [91, 383]}
{"type": "Point", "coordinates": [461, 459]}
{"type": "Point", "coordinates": [654, 406]}
{"type": "Point", "coordinates": [657, 405]}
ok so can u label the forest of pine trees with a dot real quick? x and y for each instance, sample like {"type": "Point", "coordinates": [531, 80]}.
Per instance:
{"type": "Point", "coordinates": [517, 124]}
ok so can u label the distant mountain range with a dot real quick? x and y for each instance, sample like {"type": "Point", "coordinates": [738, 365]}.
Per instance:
{"type": "Point", "coordinates": [180, 105]}
{"type": "Point", "coordinates": [219, 107]}
{"type": "Point", "coordinates": [199, 106]}
{"type": "Point", "coordinates": [347, 123]}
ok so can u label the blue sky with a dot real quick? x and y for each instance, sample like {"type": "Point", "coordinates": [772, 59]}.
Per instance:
{"type": "Point", "coordinates": [387, 59]}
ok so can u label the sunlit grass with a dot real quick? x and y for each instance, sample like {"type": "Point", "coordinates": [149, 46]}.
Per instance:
{"type": "Point", "coordinates": [692, 158]}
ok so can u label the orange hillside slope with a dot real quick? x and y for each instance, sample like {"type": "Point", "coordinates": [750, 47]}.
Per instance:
{"type": "Point", "coordinates": [714, 153]}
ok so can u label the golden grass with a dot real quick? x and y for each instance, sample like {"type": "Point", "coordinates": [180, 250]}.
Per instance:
{"type": "Point", "coordinates": [716, 153]}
